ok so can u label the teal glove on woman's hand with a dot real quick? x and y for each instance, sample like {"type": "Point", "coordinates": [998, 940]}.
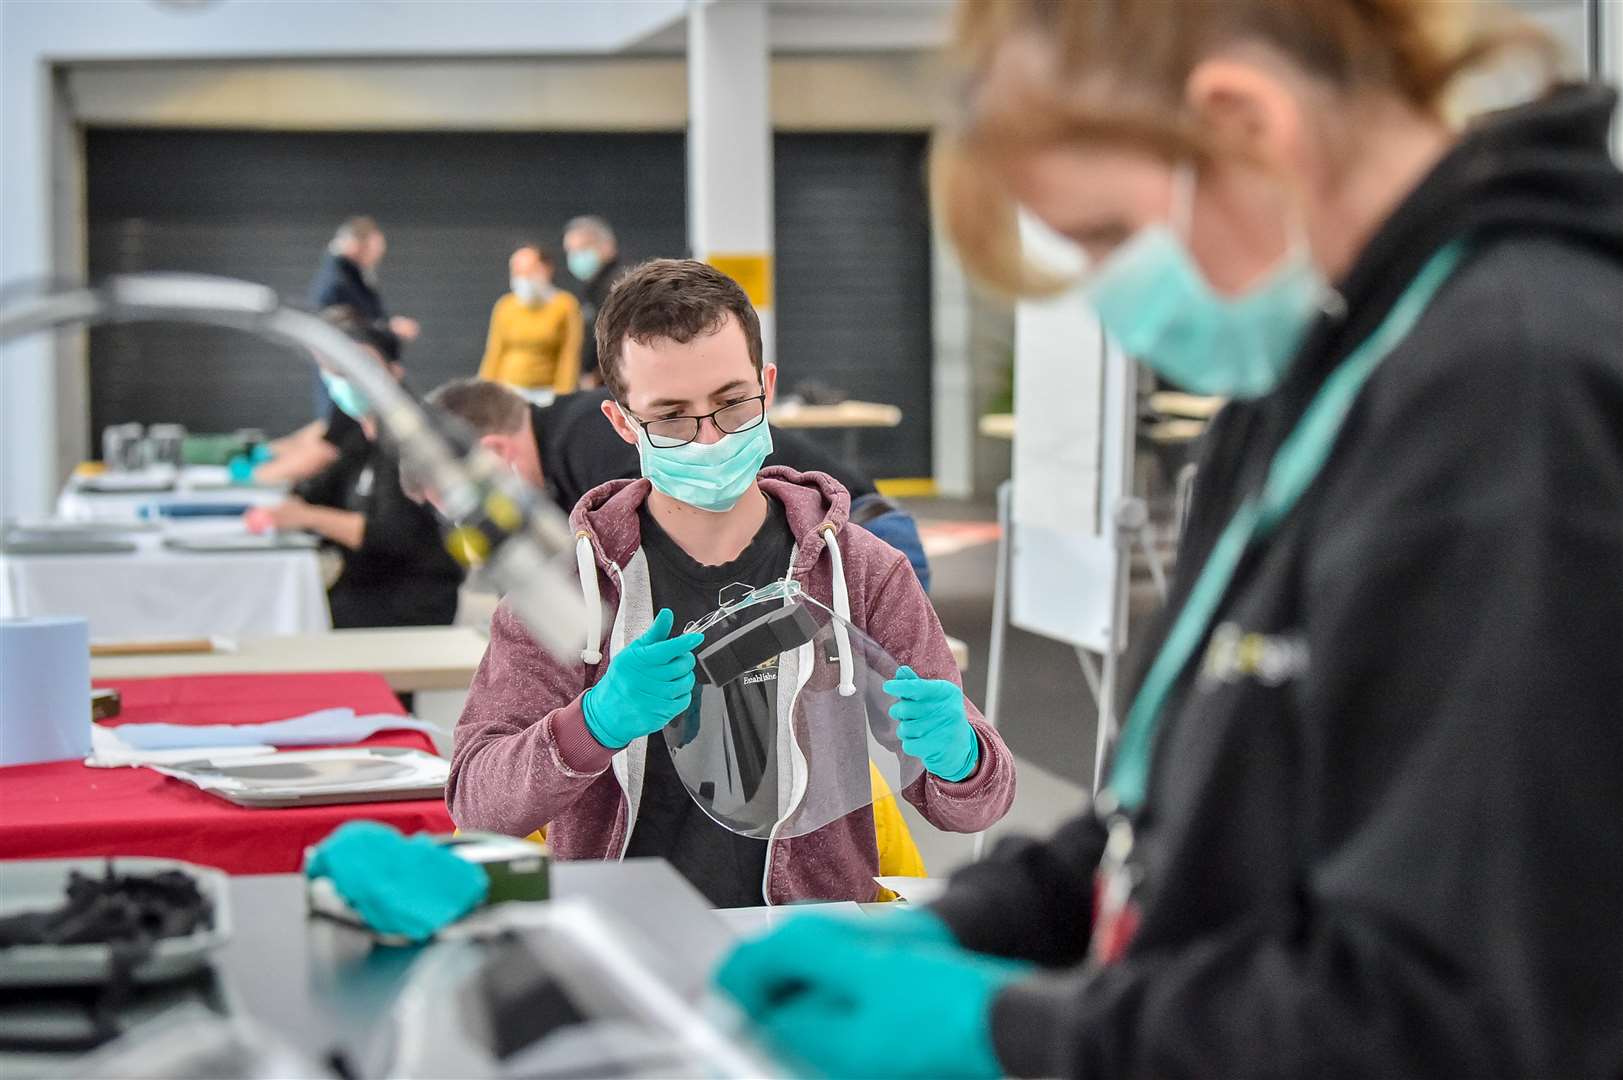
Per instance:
{"type": "Point", "coordinates": [405, 885]}
{"type": "Point", "coordinates": [649, 683]}
{"type": "Point", "coordinates": [835, 997]}
{"type": "Point", "coordinates": [933, 724]}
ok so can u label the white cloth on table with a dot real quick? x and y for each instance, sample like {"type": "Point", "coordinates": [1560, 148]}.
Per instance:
{"type": "Point", "coordinates": [339, 725]}
{"type": "Point", "coordinates": [108, 751]}
{"type": "Point", "coordinates": [155, 593]}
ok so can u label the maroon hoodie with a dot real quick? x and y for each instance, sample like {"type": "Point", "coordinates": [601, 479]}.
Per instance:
{"type": "Point", "coordinates": [524, 758]}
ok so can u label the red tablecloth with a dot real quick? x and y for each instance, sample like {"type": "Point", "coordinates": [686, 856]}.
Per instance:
{"type": "Point", "coordinates": [63, 809]}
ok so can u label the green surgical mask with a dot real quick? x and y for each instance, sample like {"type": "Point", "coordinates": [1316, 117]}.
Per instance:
{"type": "Point", "coordinates": [584, 264]}
{"type": "Point", "coordinates": [349, 400]}
{"type": "Point", "coordinates": [709, 476]}
{"type": "Point", "coordinates": [1152, 298]}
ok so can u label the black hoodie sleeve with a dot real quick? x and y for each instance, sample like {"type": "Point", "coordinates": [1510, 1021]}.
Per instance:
{"type": "Point", "coordinates": [1464, 604]}
{"type": "Point", "coordinates": [1029, 899]}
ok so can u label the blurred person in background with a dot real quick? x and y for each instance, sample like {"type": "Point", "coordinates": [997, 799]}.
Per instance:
{"type": "Point", "coordinates": [568, 448]}
{"type": "Point", "coordinates": [348, 278]}
{"type": "Point", "coordinates": [394, 569]}
{"type": "Point", "coordinates": [302, 454]}
{"type": "Point", "coordinates": [1363, 818]}
{"type": "Point", "coordinates": [593, 255]}
{"type": "Point", "coordinates": [534, 342]}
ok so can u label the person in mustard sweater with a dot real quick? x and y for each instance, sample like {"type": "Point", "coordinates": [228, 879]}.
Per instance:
{"type": "Point", "coordinates": [535, 330]}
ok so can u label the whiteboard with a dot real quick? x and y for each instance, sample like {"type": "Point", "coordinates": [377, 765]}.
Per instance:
{"type": "Point", "coordinates": [1076, 408]}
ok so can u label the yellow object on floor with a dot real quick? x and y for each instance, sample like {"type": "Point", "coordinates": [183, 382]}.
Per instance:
{"type": "Point", "coordinates": [907, 487]}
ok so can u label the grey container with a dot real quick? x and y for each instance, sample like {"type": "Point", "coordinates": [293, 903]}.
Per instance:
{"type": "Point", "coordinates": [41, 884]}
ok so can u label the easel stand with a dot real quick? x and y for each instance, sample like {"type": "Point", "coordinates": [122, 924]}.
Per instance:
{"type": "Point", "coordinates": [1101, 670]}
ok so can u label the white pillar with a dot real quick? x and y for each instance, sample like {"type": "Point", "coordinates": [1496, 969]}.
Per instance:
{"type": "Point", "coordinates": [28, 399]}
{"type": "Point", "coordinates": [953, 405]}
{"type": "Point", "coordinates": [730, 146]}
{"type": "Point", "coordinates": [1610, 17]}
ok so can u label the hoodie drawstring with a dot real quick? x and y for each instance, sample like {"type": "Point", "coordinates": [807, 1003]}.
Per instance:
{"type": "Point", "coordinates": [842, 608]}
{"type": "Point", "coordinates": [587, 562]}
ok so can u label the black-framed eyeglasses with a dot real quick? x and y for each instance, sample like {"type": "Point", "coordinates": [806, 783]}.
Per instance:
{"type": "Point", "coordinates": [669, 431]}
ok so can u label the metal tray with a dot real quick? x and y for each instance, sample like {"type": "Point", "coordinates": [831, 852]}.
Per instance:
{"type": "Point", "coordinates": [63, 544]}
{"type": "Point", "coordinates": [36, 884]}
{"type": "Point", "coordinates": [232, 542]}
{"type": "Point", "coordinates": [356, 774]}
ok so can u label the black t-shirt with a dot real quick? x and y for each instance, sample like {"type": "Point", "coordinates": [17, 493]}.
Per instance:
{"type": "Point", "coordinates": [401, 574]}
{"type": "Point", "coordinates": [726, 867]}
{"type": "Point", "coordinates": [341, 428]}
{"type": "Point", "coordinates": [580, 449]}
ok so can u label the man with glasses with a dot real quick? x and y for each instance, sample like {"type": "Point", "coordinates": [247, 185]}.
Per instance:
{"type": "Point", "coordinates": [564, 744]}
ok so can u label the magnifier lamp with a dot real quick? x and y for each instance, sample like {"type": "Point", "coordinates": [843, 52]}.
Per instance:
{"type": "Point", "coordinates": [491, 518]}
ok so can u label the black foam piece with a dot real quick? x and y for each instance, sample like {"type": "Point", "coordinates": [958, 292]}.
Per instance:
{"type": "Point", "coordinates": [525, 1002]}
{"type": "Point", "coordinates": [754, 643]}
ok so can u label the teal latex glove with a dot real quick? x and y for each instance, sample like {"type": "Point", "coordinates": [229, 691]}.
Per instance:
{"type": "Point", "coordinates": [933, 725]}
{"type": "Point", "coordinates": [904, 923]}
{"type": "Point", "coordinates": [241, 467]}
{"type": "Point", "coordinates": [402, 885]}
{"type": "Point", "coordinates": [649, 683]}
{"type": "Point", "coordinates": [837, 997]}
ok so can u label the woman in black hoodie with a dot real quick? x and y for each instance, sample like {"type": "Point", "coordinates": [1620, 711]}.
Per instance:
{"type": "Point", "coordinates": [1365, 817]}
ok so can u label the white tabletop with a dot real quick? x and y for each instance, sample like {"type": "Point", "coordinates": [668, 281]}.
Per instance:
{"type": "Point", "coordinates": [158, 593]}
{"type": "Point", "coordinates": [1187, 406]}
{"type": "Point", "coordinates": [412, 658]}
{"type": "Point", "coordinates": [847, 414]}
{"type": "Point", "coordinates": [997, 425]}
{"type": "Point", "coordinates": [195, 484]}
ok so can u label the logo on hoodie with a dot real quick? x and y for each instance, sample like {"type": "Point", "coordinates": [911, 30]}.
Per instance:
{"type": "Point", "coordinates": [1236, 655]}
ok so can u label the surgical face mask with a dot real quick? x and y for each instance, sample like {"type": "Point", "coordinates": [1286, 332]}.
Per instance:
{"type": "Point", "coordinates": [1152, 297]}
{"type": "Point", "coordinates": [709, 476]}
{"type": "Point", "coordinates": [344, 395]}
{"type": "Point", "coordinates": [532, 292]}
{"type": "Point", "coordinates": [585, 263]}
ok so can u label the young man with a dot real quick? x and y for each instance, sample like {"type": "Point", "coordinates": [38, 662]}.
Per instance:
{"type": "Point", "coordinates": [564, 743]}
{"type": "Point", "coordinates": [567, 448]}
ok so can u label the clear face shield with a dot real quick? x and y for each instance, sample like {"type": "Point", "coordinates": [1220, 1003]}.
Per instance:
{"type": "Point", "coordinates": [790, 727]}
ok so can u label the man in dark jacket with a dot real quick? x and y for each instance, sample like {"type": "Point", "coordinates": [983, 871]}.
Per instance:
{"type": "Point", "coordinates": [347, 278]}
{"type": "Point", "coordinates": [593, 255]}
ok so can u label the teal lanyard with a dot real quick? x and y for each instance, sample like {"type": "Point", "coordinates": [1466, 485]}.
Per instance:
{"type": "Point", "coordinates": [1293, 468]}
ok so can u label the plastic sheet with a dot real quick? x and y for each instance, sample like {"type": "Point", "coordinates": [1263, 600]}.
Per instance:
{"type": "Point", "coordinates": [790, 729]}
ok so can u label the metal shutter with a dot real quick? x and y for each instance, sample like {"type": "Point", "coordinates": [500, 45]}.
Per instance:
{"type": "Point", "coordinates": [853, 282]}
{"type": "Point", "coordinates": [853, 257]}
{"type": "Point", "coordinates": [262, 206]}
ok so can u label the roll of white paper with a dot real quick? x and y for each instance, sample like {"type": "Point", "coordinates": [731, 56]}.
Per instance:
{"type": "Point", "coordinates": [44, 689]}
